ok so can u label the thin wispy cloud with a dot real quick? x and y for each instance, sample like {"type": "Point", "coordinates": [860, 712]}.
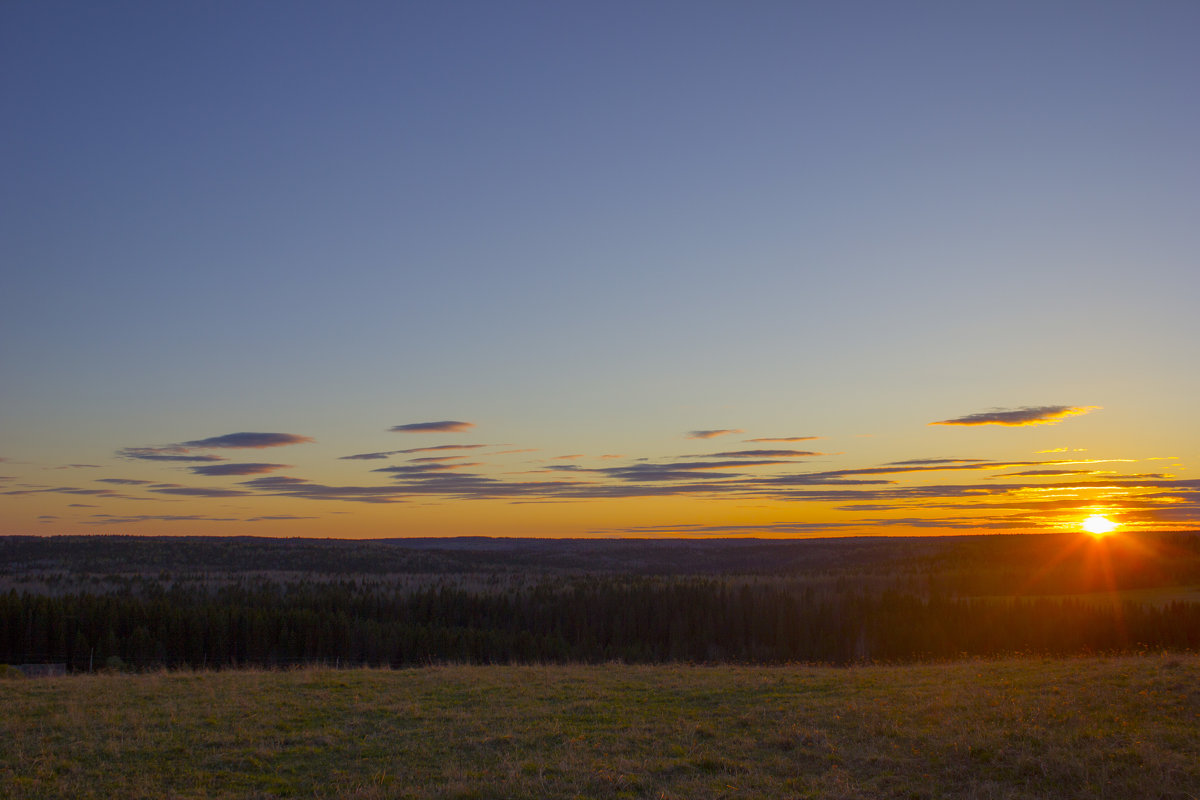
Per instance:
{"type": "Point", "coordinates": [444, 426]}
{"type": "Point", "coordinates": [1029, 415]}
{"type": "Point", "coordinates": [759, 454]}
{"type": "Point", "coordinates": [217, 470]}
{"type": "Point", "coordinates": [432, 449]}
{"type": "Point", "coordinates": [284, 486]}
{"type": "Point", "coordinates": [184, 452]}
{"type": "Point", "coordinates": [712, 434]}
{"type": "Point", "coordinates": [917, 462]}
{"type": "Point", "coordinates": [248, 440]}
{"type": "Point", "coordinates": [691, 529]}
{"type": "Point", "coordinates": [195, 491]}
{"type": "Point", "coordinates": [171, 452]}
{"type": "Point", "coordinates": [61, 490]}
{"type": "Point", "coordinates": [372, 456]}
{"type": "Point", "coordinates": [278, 517]}
{"type": "Point", "coordinates": [421, 469]}
{"type": "Point", "coordinates": [783, 439]}
{"type": "Point", "coordinates": [133, 519]}
{"type": "Point", "coordinates": [680, 471]}
{"type": "Point", "coordinates": [1033, 473]}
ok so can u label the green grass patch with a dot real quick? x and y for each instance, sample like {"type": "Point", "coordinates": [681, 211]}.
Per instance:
{"type": "Point", "coordinates": [1015, 728]}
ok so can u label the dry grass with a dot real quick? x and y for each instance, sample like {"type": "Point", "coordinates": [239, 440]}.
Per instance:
{"type": "Point", "coordinates": [1105, 727]}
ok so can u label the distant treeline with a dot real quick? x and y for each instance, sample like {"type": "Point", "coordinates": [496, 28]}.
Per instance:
{"type": "Point", "coordinates": [963, 565]}
{"type": "Point", "coordinates": [577, 619]}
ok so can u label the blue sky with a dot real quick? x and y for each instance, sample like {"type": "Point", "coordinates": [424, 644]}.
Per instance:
{"type": "Point", "coordinates": [588, 229]}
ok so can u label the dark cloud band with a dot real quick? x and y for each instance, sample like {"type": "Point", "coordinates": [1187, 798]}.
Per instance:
{"type": "Point", "coordinates": [712, 434]}
{"type": "Point", "coordinates": [216, 470]}
{"type": "Point", "coordinates": [1029, 415]}
{"type": "Point", "coordinates": [444, 426]}
{"type": "Point", "coordinates": [248, 440]}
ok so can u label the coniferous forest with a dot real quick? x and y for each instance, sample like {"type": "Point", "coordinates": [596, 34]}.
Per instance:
{"type": "Point", "coordinates": [142, 603]}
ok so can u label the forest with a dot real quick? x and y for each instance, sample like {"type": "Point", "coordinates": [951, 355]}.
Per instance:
{"type": "Point", "coordinates": [116, 603]}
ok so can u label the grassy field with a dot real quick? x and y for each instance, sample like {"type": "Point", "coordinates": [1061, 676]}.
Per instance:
{"type": "Point", "coordinates": [1120, 727]}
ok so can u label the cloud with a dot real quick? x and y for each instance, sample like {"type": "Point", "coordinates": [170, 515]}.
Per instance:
{"type": "Point", "coordinates": [676, 471]}
{"type": "Point", "coordinates": [183, 451]}
{"type": "Point", "coordinates": [693, 529]}
{"type": "Point", "coordinates": [284, 486]}
{"type": "Point", "coordinates": [961, 523]}
{"type": "Point", "coordinates": [171, 452]}
{"type": "Point", "coordinates": [63, 490]}
{"type": "Point", "coordinates": [926, 465]}
{"type": "Point", "coordinates": [445, 426]}
{"type": "Point", "coordinates": [712, 434]}
{"type": "Point", "coordinates": [1029, 415]}
{"type": "Point", "coordinates": [444, 447]}
{"type": "Point", "coordinates": [273, 517]}
{"type": "Point", "coordinates": [1176, 515]}
{"type": "Point", "coordinates": [916, 462]}
{"type": "Point", "coordinates": [422, 469]}
{"type": "Point", "coordinates": [237, 469]}
{"type": "Point", "coordinates": [124, 481]}
{"type": "Point", "coordinates": [110, 519]}
{"type": "Point", "coordinates": [389, 453]}
{"type": "Point", "coordinates": [760, 454]}
{"type": "Point", "coordinates": [195, 491]}
{"type": "Point", "coordinates": [371, 456]}
{"type": "Point", "coordinates": [981, 494]}
{"type": "Point", "coordinates": [783, 439]}
{"type": "Point", "coordinates": [254, 441]}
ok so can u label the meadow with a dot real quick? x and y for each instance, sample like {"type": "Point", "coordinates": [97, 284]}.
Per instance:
{"type": "Point", "coordinates": [1022, 727]}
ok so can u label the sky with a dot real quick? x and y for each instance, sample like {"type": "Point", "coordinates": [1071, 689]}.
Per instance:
{"type": "Point", "coordinates": [620, 269]}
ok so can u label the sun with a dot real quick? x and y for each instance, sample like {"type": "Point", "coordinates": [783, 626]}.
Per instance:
{"type": "Point", "coordinates": [1098, 525]}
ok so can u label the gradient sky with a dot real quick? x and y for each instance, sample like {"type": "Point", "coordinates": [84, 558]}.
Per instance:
{"type": "Point", "coordinates": [373, 269]}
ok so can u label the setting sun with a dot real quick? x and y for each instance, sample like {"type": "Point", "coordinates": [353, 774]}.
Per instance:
{"type": "Point", "coordinates": [1098, 525]}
